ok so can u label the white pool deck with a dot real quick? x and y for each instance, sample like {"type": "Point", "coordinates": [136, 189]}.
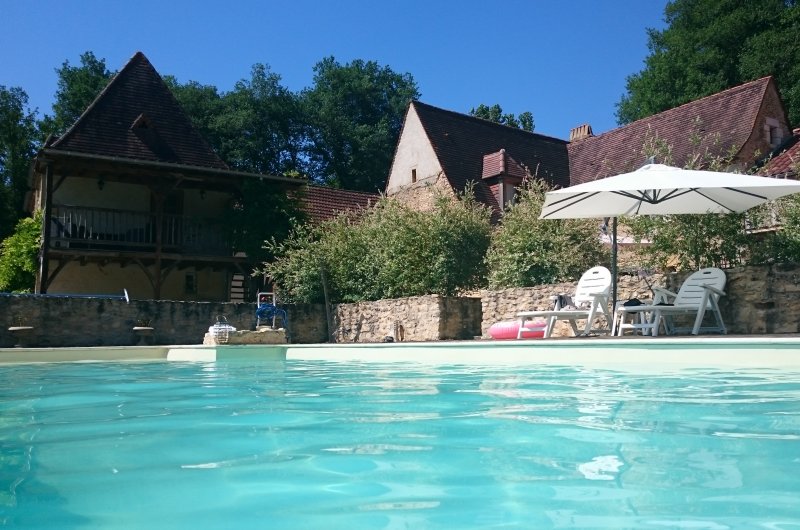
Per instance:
{"type": "Point", "coordinates": [769, 352]}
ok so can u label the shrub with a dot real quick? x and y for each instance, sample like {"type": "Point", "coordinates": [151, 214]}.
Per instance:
{"type": "Point", "coordinates": [19, 255]}
{"type": "Point", "coordinates": [527, 251]}
{"type": "Point", "coordinates": [389, 251]}
{"type": "Point", "coordinates": [690, 242]}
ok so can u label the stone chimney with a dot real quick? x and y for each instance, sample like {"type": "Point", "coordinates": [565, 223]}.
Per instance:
{"type": "Point", "coordinates": [580, 132]}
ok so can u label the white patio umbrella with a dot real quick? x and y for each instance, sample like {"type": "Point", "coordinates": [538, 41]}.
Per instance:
{"type": "Point", "coordinates": [657, 189]}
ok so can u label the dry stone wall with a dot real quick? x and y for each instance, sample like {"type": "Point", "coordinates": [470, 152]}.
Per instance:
{"type": "Point", "coordinates": [60, 321]}
{"type": "Point", "coordinates": [760, 300]}
{"type": "Point", "coordinates": [499, 306]}
{"type": "Point", "coordinates": [419, 318]}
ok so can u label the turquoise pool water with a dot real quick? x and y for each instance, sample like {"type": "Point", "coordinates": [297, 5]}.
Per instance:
{"type": "Point", "coordinates": [307, 445]}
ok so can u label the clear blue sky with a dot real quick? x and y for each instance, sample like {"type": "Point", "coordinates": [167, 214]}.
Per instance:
{"type": "Point", "coordinates": [565, 61]}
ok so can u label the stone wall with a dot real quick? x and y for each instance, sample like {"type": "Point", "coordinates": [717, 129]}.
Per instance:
{"type": "Point", "coordinates": [498, 306]}
{"type": "Point", "coordinates": [419, 318]}
{"type": "Point", "coordinates": [422, 195]}
{"type": "Point", "coordinates": [59, 321]}
{"type": "Point", "coordinates": [760, 300]}
{"type": "Point", "coordinates": [307, 324]}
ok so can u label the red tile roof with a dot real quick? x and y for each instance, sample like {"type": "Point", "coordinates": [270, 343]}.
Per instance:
{"type": "Point", "coordinates": [322, 203]}
{"type": "Point", "coordinates": [786, 163]}
{"type": "Point", "coordinates": [722, 121]}
{"type": "Point", "coordinates": [461, 142]}
{"type": "Point", "coordinates": [499, 163]}
{"type": "Point", "coordinates": [136, 116]}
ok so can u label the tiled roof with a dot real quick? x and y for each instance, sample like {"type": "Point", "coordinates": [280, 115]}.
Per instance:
{"type": "Point", "coordinates": [321, 203]}
{"type": "Point", "coordinates": [786, 163]}
{"type": "Point", "coordinates": [461, 142]}
{"type": "Point", "coordinates": [723, 121]}
{"type": "Point", "coordinates": [136, 116]}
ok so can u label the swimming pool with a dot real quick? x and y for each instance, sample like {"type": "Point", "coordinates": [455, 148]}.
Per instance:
{"type": "Point", "coordinates": [320, 444]}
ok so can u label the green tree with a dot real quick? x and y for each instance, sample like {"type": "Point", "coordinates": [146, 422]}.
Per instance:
{"type": "Point", "coordinates": [495, 114]}
{"type": "Point", "coordinates": [777, 52]}
{"type": "Point", "coordinates": [711, 45]}
{"type": "Point", "coordinates": [355, 112]}
{"type": "Point", "coordinates": [19, 255]}
{"type": "Point", "coordinates": [261, 125]}
{"type": "Point", "coordinates": [527, 251]}
{"type": "Point", "coordinates": [78, 86]}
{"type": "Point", "coordinates": [258, 126]}
{"type": "Point", "coordinates": [17, 148]}
{"type": "Point", "coordinates": [263, 210]}
{"type": "Point", "coordinates": [203, 104]}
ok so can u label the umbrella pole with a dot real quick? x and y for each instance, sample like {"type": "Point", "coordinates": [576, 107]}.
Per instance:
{"type": "Point", "coordinates": [613, 263]}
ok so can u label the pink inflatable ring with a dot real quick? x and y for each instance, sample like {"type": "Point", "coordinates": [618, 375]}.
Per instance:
{"type": "Point", "coordinates": [509, 330]}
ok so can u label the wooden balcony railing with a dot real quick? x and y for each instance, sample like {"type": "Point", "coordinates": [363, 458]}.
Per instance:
{"type": "Point", "coordinates": [108, 229]}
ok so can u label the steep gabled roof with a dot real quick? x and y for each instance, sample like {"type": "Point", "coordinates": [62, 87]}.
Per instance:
{"type": "Point", "coordinates": [136, 116]}
{"type": "Point", "coordinates": [322, 203]}
{"type": "Point", "coordinates": [786, 163]}
{"type": "Point", "coordinates": [461, 142]}
{"type": "Point", "coordinates": [721, 122]}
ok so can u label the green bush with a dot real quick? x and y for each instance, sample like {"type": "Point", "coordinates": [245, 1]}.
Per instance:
{"type": "Point", "coordinates": [389, 251]}
{"type": "Point", "coordinates": [783, 245]}
{"type": "Point", "coordinates": [527, 251]}
{"type": "Point", "coordinates": [19, 255]}
{"type": "Point", "coordinates": [691, 242]}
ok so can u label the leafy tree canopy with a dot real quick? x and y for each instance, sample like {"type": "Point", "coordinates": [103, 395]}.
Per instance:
{"type": "Point", "coordinates": [261, 124]}
{"type": "Point", "coordinates": [355, 112]}
{"type": "Point", "coordinates": [711, 45]}
{"type": "Point", "coordinates": [17, 147]}
{"type": "Point", "coordinates": [495, 114]}
{"type": "Point", "coordinates": [78, 86]}
{"type": "Point", "coordinates": [263, 210]}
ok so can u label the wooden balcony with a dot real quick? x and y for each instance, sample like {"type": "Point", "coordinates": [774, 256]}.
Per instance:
{"type": "Point", "coordinates": [103, 229]}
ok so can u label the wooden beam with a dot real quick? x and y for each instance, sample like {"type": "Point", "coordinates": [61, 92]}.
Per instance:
{"type": "Point", "coordinates": [43, 274]}
{"type": "Point", "coordinates": [60, 181]}
{"type": "Point", "coordinates": [61, 264]}
{"type": "Point", "coordinates": [147, 273]}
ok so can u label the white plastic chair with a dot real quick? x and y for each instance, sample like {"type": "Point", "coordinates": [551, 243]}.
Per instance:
{"type": "Point", "coordinates": [699, 294]}
{"type": "Point", "coordinates": [590, 301]}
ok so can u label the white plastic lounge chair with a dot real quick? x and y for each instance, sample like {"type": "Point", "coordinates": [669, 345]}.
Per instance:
{"type": "Point", "coordinates": [589, 302]}
{"type": "Point", "coordinates": [699, 294]}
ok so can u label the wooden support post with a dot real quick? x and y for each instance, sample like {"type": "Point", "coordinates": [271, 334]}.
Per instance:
{"type": "Point", "coordinates": [42, 279]}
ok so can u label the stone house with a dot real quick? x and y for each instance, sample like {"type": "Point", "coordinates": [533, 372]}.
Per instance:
{"type": "Point", "coordinates": [439, 151]}
{"type": "Point", "coordinates": [134, 198]}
